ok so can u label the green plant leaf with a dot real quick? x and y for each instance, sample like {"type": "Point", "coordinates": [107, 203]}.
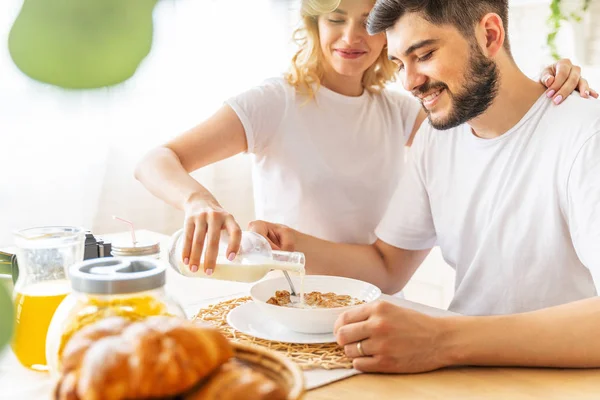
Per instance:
{"type": "Point", "coordinates": [555, 19]}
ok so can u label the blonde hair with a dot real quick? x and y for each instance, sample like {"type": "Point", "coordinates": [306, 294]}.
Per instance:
{"type": "Point", "coordinates": [306, 71]}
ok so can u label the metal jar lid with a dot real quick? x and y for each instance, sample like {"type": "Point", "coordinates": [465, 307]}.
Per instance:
{"type": "Point", "coordinates": [130, 249]}
{"type": "Point", "coordinates": [117, 275]}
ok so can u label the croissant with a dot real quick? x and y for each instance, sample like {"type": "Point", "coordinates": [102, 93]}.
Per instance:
{"type": "Point", "coordinates": [87, 336]}
{"type": "Point", "coordinates": [158, 357]}
{"type": "Point", "coordinates": [236, 381]}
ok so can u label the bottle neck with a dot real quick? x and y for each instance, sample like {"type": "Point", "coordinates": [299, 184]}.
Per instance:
{"type": "Point", "coordinates": [287, 260]}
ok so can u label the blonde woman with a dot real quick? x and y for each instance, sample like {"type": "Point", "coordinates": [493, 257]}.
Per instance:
{"type": "Point", "coordinates": [327, 139]}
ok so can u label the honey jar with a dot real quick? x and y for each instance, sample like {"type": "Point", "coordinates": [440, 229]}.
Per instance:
{"type": "Point", "coordinates": [133, 288]}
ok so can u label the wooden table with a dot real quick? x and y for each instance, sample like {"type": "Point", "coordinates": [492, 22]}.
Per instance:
{"type": "Point", "coordinates": [455, 383]}
{"type": "Point", "coordinates": [468, 383]}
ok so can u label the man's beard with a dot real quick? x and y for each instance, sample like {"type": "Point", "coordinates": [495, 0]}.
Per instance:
{"type": "Point", "coordinates": [477, 94]}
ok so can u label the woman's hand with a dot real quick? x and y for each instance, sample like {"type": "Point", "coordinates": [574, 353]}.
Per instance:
{"type": "Point", "coordinates": [280, 237]}
{"type": "Point", "coordinates": [562, 78]}
{"type": "Point", "coordinates": [202, 227]}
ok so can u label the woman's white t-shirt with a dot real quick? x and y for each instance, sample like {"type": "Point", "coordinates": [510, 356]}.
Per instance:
{"type": "Point", "coordinates": [327, 167]}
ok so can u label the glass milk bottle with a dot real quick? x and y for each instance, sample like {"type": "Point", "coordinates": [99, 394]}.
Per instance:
{"type": "Point", "coordinates": [253, 261]}
{"type": "Point", "coordinates": [44, 255]}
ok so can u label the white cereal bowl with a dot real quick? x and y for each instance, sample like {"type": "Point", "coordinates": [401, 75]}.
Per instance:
{"type": "Point", "coordinates": [311, 320]}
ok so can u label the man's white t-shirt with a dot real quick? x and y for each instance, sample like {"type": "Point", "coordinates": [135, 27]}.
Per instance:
{"type": "Point", "coordinates": [328, 166]}
{"type": "Point", "coordinates": [517, 216]}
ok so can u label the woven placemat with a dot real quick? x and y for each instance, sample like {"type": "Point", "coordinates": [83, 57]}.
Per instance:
{"type": "Point", "coordinates": [308, 356]}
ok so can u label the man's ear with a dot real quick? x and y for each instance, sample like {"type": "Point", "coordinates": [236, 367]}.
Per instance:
{"type": "Point", "coordinates": [490, 34]}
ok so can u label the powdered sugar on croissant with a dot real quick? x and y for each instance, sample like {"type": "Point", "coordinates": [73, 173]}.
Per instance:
{"type": "Point", "coordinates": [157, 357]}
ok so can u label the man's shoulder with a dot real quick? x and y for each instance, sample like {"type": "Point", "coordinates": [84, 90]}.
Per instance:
{"type": "Point", "coordinates": [577, 112]}
{"type": "Point", "coordinates": [575, 100]}
{"type": "Point", "coordinates": [573, 122]}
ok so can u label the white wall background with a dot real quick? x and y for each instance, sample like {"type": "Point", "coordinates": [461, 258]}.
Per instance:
{"type": "Point", "coordinates": [67, 157]}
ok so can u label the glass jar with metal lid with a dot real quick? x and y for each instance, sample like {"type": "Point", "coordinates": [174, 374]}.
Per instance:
{"type": "Point", "coordinates": [133, 288]}
{"type": "Point", "coordinates": [136, 249]}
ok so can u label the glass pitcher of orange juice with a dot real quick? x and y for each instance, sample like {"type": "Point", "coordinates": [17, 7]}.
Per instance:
{"type": "Point", "coordinates": [44, 255]}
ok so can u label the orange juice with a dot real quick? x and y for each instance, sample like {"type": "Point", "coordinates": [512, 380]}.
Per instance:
{"type": "Point", "coordinates": [34, 307]}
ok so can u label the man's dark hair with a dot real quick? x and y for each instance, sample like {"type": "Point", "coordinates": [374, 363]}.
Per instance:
{"type": "Point", "coordinates": [462, 14]}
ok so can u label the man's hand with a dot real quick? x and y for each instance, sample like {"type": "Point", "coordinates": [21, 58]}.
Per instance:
{"type": "Point", "coordinates": [562, 78]}
{"type": "Point", "coordinates": [280, 237]}
{"type": "Point", "coordinates": [392, 339]}
{"type": "Point", "coordinates": [398, 340]}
